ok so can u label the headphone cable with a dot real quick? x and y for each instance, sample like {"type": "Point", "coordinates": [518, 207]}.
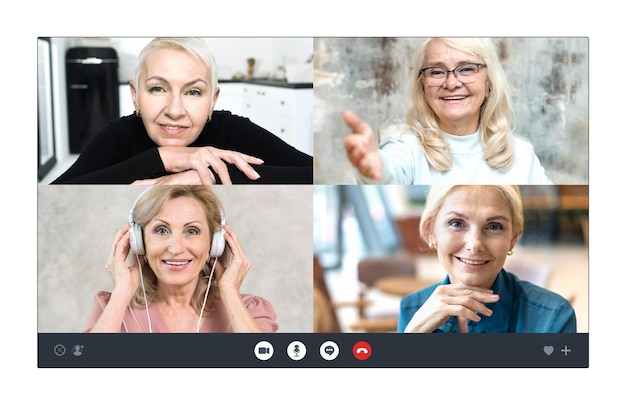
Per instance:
{"type": "Point", "coordinates": [145, 299]}
{"type": "Point", "coordinates": [206, 294]}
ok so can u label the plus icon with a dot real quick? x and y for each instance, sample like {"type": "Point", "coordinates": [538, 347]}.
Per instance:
{"type": "Point", "coordinates": [566, 350]}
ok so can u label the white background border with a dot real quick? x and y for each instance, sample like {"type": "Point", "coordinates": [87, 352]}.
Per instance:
{"type": "Point", "coordinates": [319, 18]}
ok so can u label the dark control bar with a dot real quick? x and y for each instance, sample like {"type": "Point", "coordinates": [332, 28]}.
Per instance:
{"type": "Point", "coordinates": [313, 350]}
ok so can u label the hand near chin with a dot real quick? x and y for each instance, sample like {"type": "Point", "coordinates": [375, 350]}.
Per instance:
{"type": "Point", "coordinates": [361, 147]}
{"type": "Point", "coordinates": [459, 300]}
{"type": "Point", "coordinates": [177, 159]}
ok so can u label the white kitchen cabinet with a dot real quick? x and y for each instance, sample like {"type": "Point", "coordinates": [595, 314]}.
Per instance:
{"type": "Point", "coordinates": [229, 98]}
{"type": "Point", "coordinates": [126, 100]}
{"type": "Point", "coordinates": [286, 112]}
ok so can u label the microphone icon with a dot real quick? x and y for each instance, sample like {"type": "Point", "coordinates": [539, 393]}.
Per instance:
{"type": "Point", "coordinates": [296, 350]}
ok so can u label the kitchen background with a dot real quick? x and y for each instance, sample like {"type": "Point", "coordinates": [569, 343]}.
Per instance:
{"type": "Point", "coordinates": [282, 70]}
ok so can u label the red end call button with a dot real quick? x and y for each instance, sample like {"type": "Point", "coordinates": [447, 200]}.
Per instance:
{"type": "Point", "coordinates": [361, 350]}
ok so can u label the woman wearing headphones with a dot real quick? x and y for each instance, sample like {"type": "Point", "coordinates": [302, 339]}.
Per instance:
{"type": "Point", "coordinates": [188, 271]}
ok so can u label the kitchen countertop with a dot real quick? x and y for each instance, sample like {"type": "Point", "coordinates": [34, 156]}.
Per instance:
{"type": "Point", "coordinates": [264, 82]}
{"type": "Point", "coordinates": [269, 82]}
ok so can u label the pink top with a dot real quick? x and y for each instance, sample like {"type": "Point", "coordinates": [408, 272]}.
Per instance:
{"type": "Point", "coordinates": [136, 319]}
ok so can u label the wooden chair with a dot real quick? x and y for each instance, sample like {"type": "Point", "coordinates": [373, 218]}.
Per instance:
{"type": "Point", "coordinates": [324, 315]}
{"type": "Point", "coordinates": [370, 270]}
{"type": "Point", "coordinates": [412, 242]}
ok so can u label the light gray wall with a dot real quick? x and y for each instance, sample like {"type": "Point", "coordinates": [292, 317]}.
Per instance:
{"type": "Point", "coordinates": [76, 225]}
{"type": "Point", "coordinates": [549, 80]}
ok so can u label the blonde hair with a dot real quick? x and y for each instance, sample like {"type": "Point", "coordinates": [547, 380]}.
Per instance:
{"type": "Point", "coordinates": [496, 122]}
{"type": "Point", "coordinates": [193, 46]}
{"type": "Point", "coordinates": [148, 206]}
{"type": "Point", "coordinates": [437, 194]}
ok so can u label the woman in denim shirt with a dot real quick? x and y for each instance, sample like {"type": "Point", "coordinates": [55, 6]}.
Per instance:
{"type": "Point", "coordinates": [474, 229]}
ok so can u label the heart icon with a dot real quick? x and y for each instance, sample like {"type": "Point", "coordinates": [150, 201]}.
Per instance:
{"type": "Point", "coordinates": [548, 350]}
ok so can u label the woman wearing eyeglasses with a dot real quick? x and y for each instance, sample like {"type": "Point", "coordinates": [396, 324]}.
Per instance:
{"type": "Point", "coordinates": [460, 123]}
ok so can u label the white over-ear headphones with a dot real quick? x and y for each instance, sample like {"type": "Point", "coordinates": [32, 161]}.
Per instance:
{"type": "Point", "coordinates": [218, 242]}
{"type": "Point", "coordinates": [136, 234]}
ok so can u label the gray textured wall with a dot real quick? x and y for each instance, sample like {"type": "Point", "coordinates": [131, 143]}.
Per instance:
{"type": "Point", "coordinates": [76, 225]}
{"type": "Point", "coordinates": [549, 80]}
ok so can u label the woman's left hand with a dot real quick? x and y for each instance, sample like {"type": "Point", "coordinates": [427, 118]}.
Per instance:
{"type": "Point", "coordinates": [178, 159]}
{"type": "Point", "coordinates": [231, 277]}
{"type": "Point", "coordinates": [188, 177]}
{"type": "Point", "coordinates": [229, 282]}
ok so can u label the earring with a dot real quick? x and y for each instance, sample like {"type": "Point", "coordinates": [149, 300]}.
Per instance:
{"type": "Point", "coordinates": [208, 119]}
{"type": "Point", "coordinates": [145, 259]}
{"type": "Point", "coordinates": [510, 252]}
{"type": "Point", "coordinates": [432, 245]}
{"type": "Point", "coordinates": [138, 113]}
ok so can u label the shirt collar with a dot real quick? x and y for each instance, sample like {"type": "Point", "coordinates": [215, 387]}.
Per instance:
{"type": "Point", "coordinates": [464, 144]}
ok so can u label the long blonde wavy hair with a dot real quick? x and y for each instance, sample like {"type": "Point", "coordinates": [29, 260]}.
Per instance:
{"type": "Point", "coordinates": [496, 123]}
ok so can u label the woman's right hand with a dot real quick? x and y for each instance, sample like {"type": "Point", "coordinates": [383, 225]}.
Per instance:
{"type": "Point", "coordinates": [178, 159]}
{"type": "Point", "coordinates": [361, 147]}
{"type": "Point", "coordinates": [125, 282]}
{"type": "Point", "coordinates": [124, 278]}
{"type": "Point", "coordinates": [459, 300]}
{"type": "Point", "coordinates": [188, 177]}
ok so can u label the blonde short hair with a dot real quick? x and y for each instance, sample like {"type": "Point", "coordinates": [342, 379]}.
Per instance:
{"type": "Point", "coordinates": [438, 194]}
{"type": "Point", "coordinates": [194, 46]}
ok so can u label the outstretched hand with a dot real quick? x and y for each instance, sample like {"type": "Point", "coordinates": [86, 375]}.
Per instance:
{"type": "Point", "coordinates": [361, 147]}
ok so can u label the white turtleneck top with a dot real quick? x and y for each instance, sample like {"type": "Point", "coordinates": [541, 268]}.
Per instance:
{"type": "Point", "coordinates": [404, 162]}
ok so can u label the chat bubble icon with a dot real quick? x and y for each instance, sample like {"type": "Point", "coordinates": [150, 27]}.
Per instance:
{"type": "Point", "coordinates": [329, 350]}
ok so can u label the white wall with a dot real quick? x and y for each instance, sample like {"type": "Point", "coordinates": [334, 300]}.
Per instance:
{"type": "Point", "coordinates": [230, 54]}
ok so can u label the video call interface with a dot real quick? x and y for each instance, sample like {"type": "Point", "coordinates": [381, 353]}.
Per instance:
{"type": "Point", "coordinates": [335, 263]}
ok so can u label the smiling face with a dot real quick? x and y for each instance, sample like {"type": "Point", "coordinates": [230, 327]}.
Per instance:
{"type": "Point", "coordinates": [456, 105]}
{"type": "Point", "coordinates": [473, 231]}
{"type": "Point", "coordinates": [177, 241]}
{"type": "Point", "coordinates": [174, 97]}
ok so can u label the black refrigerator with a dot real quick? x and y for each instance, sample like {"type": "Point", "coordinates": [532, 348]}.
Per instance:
{"type": "Point", "coordinates": [92, 92]}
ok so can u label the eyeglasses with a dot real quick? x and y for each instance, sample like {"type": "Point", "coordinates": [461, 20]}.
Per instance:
{"type": "Point", "coordinates": [465, 73]}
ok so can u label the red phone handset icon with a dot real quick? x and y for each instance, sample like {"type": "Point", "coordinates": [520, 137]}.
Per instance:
{"type": "Point", "coordinates": [361, 350]}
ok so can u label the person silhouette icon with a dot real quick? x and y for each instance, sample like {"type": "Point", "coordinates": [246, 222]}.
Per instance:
{"type": "Point", "coordinates": [77, 350]}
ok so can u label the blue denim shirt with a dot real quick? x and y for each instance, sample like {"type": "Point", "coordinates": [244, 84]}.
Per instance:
{"type": "Point", "coordinates": [523, 308]}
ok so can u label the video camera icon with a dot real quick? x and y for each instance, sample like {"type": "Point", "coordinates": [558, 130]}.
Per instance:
{"type": "Point", "coordinates": [264, 350]}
